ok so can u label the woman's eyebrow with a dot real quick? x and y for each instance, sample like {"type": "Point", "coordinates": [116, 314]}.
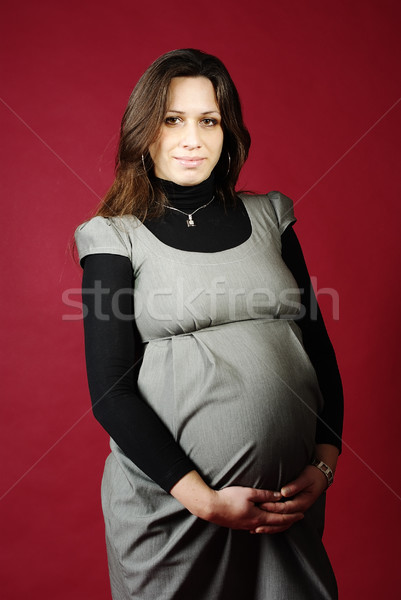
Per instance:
{"type": "Point", "coordinates": [182, 112]}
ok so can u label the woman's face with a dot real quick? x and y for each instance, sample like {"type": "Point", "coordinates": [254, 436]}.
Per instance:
{"type": "Point", "coordinates": [190, 139]}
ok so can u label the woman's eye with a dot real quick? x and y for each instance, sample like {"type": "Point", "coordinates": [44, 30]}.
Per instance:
{"type": "Point", "coordinates": [206, 122]}
{"type": "Point", "coordinates": [171, 120]}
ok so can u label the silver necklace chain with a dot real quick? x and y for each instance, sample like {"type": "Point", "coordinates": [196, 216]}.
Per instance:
{"type": "Point", "coordinates": [190, 220]}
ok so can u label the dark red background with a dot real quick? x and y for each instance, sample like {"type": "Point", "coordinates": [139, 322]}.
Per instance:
{"type": "Point", "coordinates": [320, 84]}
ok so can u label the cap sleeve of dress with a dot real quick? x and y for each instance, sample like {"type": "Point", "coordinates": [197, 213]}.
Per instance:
{"type": "Point", "coordinates": [284, 209]}
{"type": "Point", "coordinates": [101, 235]}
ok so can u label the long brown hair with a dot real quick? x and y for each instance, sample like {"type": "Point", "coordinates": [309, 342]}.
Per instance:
{"type": "Point", "coordinates": [133, 191]}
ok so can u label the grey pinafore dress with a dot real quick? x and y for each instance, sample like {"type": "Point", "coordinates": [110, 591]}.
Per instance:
{"type": "Point", "coordinates": [225, 369]}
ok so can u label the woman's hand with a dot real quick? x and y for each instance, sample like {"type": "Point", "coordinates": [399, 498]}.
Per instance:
{"type": "Point", "coordinates": [241, 508]}
{"type": "Point", "coordinates": [305, 489]}
{"type": "Point", "coordinates": [259, 511]}
{"type": "Point", "coordinates": [235, 507]}
{"type": "Point", "coordinates": [301, 494]}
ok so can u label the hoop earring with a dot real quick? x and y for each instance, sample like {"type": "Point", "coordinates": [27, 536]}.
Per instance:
{"type": "Point", "coordinates": [143, 163]}
{"type": "Point", "coordinates": [229, 163]}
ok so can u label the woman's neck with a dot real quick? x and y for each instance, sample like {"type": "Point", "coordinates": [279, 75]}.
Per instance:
{"type": "Point", "coordinates": [188, 196]}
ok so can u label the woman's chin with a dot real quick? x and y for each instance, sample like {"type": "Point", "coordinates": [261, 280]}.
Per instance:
{"type": "Point", "coordinates": [190, 177]}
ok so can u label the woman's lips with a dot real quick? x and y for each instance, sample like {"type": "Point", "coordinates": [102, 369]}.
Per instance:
{"type": "Point", "coordinates": [191, 162]}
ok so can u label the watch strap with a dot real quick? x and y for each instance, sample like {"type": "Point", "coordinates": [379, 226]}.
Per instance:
{"type": "Point", "coordinates": [325, 469]}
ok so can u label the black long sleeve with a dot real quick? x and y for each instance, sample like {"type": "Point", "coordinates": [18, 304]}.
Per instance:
{"type": "Point", "coordinates": [317, 344]}
{"type": "Point", "coordinates": [111, 354]}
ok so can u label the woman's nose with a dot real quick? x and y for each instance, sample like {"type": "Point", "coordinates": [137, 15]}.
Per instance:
{"type": "Point", "coordinates": [191, 137]}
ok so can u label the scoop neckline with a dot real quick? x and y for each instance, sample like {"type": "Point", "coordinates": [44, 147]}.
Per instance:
{"type": "Point", "coordinates": [191, 255]}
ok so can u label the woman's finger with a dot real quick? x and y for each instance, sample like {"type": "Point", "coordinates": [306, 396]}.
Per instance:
{"type": "Point", "coordinates": [259, 496]}
{"type": "Point", "coordinates": [296, 486]}
{"type": "Point", "coordinates": [300, 503]}
{"type": "Point", "coordinates": [290, 506]}
{"type": "Point", "coordinates": [271, 529]}
{"type": "Point", "coordinates": [278, 519]}
{"type": "Point", "coordinates": [275, 526]}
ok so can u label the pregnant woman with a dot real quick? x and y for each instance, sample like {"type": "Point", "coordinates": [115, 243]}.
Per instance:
{"type": "Point", "coordinates": [208, 361]}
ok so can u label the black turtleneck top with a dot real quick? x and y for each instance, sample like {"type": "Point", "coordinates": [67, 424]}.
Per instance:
{"type": "Point", "coordinates": [116, 403]}
{"type": "Point", "coordinates": [215, 228]}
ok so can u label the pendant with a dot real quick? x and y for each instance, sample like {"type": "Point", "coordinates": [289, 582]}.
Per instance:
{"type": "Point", "coordinates": [190, 221]}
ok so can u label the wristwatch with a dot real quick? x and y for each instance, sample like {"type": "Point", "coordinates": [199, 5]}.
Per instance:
{"type": "Point", "coordinates": [325, 469]}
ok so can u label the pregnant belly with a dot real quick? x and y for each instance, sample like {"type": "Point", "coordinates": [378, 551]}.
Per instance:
{"type": "Point", "coordinates": [240, 399]}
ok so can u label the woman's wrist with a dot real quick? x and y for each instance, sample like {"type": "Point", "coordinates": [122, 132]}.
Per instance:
{"type": "Point", "coordinates": [195, 495]}
{"type": "Point", "coordinates": [328, 454]}
{"type": "Point", "coordinates": [325, 459]}
{"type": "Point", "coordinates": [325, 470]}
